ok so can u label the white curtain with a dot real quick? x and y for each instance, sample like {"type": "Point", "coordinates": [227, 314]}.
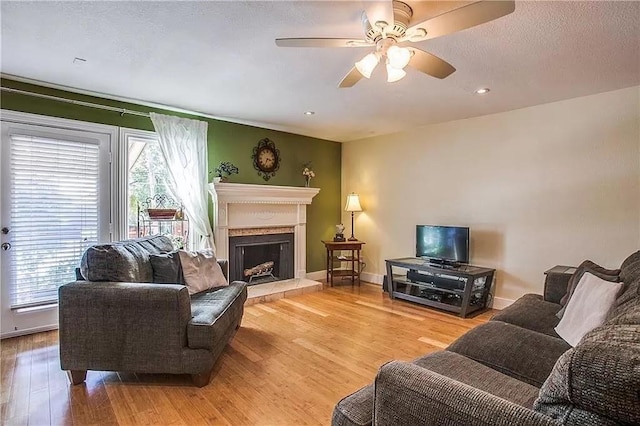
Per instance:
{"type": "Point", "coordinates": [184, 146]}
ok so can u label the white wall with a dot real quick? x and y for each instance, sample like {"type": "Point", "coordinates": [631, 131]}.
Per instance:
{"type": "Point", "coordinates": [540, 186]}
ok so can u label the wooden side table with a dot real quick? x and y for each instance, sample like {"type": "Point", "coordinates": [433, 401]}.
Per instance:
{"type": "Point", "coordinates": [336, 246]}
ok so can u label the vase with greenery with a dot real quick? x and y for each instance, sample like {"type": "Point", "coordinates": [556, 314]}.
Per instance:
{"type": "Point", "coordinates": [223, 171]}
{"type": "Point", "coordinates": [308, 173]}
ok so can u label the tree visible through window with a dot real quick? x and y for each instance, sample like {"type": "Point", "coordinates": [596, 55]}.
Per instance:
{"type": "Point", "coordinates": [148, 188]}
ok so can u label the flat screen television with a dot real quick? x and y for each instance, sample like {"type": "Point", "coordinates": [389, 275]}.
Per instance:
{"type": "Point", "coordinates": [443, 244]}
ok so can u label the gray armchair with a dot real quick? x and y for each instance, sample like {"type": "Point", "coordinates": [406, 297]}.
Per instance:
{"type": "Point", "coordinates": [145, 327]}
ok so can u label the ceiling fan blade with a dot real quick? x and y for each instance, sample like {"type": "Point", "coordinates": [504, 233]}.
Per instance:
{"type": "Point", "coordinates": [430, 64]}
{"type": "Point", "coordinates": [379, 11]}
{"type": "Point", "coordinates": [321, 42]}
{"type": "Point", "coordinates": [464, 17]}
{"type": "Point", "coordinates": [425, 10]}
{"type": "Point", "coordinates": [351, 78]}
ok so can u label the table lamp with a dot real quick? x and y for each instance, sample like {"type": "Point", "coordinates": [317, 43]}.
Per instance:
{"type": "Point", "coordinates": [353, 205]}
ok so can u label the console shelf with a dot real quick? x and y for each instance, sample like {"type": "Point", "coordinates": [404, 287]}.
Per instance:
{"type": "Point", "coordinates": [463, 290]}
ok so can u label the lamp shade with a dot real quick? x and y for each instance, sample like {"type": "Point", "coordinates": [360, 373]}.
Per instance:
{"type": "Point", "coordinates": [394, 74]}
{"type": "Point", "coordinates": [367, 64]}
{"type": "Point", "coordinates": [398, 57]}
{"type": "Point", "coordinates": [353, 203]}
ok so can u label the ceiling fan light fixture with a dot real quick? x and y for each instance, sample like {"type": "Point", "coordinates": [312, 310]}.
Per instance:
{"type": "Point", "coordinates": [399, 57]}
{"type": "Point", "coordinates": [367, 64]}
{"type": "Point", "coordinates": [394, 74]}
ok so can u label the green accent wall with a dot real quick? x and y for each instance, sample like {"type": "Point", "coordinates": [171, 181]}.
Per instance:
{"type": "Point", "coordinates": [226, 142]}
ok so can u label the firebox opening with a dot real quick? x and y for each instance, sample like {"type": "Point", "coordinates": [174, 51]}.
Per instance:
{"type": "Point", "coordinates": [259, 259]}
{"type": "Point", "coordinates": [261, 263]}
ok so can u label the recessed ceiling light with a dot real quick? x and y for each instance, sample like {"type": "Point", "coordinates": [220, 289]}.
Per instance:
{"type": "Point", "coordinates": [309, 112]}
{"type": "Point", "coordinates": [483, 91]}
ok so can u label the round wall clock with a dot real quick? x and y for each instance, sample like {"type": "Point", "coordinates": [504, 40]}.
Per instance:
{"type": "Point", "coordinates": [266, 158]}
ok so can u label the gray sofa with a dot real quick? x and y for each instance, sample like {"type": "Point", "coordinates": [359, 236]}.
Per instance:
{"type": "Point", "coordinates": [515, 370]}
{"type": "Point", "coordinates": [129, 323]}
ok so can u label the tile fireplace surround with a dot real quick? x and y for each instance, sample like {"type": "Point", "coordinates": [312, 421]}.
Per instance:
{"type": "Point", "coordinates": [244, 209]}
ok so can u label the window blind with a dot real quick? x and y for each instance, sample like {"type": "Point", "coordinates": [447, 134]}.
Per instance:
{"type": "Point", "coordinates": [53, 214]}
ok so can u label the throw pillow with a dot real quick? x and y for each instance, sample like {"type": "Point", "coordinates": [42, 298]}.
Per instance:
{"type": "Point", "coordinates": [612, 275]}
{"type": "Point", "coordinates": [201, 271]}
{"type": "Point", "coordinates": [587, 308]}
{"type": "Point", "coordinates": [167, 268]}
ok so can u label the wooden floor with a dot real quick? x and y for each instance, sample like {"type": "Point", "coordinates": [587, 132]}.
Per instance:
{"type": "Point", "coordinates": [289, 364]}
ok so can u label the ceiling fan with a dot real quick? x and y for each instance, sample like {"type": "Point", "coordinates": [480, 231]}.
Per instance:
{"type": "Point", "coordinates": [391, 34]}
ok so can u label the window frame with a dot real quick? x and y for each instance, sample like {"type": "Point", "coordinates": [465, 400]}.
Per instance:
{"type": "Point", "coordinates": [123, 171]}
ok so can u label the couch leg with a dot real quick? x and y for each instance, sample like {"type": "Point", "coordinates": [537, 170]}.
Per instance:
{"type": "Point", "coordinates": [77, 376]}
{"type": "Point", "coordinates": [202, 379]}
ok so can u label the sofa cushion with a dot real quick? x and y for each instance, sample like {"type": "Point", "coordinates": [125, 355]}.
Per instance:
{"type": "Point", "coordinates": [406, 394]}
{"type": "Point", "coordinates": [612, 275]}
{"type": "Point", "coordinates": [167, 268]}
{"type": "Point", "coordinates": [630, 268]}
{"type": "Point", "coordinates": [213, 313]}
{"type": "Point", "coordinates": [515, 351]}
{"type": "Point", "coordinates": [357, 408]}
{"type": "Point", "coordinates": [472, 373]}
{"type": "Point", "coordinates": [531, 312]}
{"type": "Point", "coordinates": [156, 243]}
{"type": "Point", "coordinates": [627, 312]}
{"type": "Point", "coordinates": [596, 382]}
{"type": "Point", "coordinates": [630, 290]}
{"type": "Point", "coordinates": [123, 261]}
{"type": "Point", "coordinates": [109, 262]}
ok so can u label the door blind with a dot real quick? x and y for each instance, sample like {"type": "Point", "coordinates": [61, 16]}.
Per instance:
{"type": "Point", "coordinates": [54, 202]}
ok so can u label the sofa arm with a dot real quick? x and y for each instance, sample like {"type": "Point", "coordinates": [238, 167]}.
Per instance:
{"type": "Point", "coordinates": [555, 286]}
{"type": "Point", "coordinates": [224, 264]}
{"type": "Point", "coordinates": [216, 314]}
{"type": "Point", "coordinates": [121, 326]}
{"type": "Point", "coordinates": [407, 394]}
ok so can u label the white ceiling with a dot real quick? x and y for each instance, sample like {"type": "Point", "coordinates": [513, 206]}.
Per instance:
{"type": "Point", "coordinates": [219, 58]}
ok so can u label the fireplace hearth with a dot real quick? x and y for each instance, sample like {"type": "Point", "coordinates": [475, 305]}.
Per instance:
{"type": "Point", "coordinates": [259, 259]}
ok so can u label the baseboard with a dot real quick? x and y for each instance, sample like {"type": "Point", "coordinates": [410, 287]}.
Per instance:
{"type": "Point", "coordinates": [26, 331]}
{"type": "Point", "coordinates": [317, 275]}
{"type": "Point", "coordinates": [501, 303]}
{"type": "Point", "coordinates": [365, 276]}
{"type": "Point", "coordinates": [371, 277]}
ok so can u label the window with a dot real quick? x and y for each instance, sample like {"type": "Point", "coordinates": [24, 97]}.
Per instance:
{"type": "Point", "coordinates": [148, 188]}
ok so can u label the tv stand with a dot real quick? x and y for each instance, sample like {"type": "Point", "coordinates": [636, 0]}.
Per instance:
{"type": "Point", "coordinates": [445, 264]}
{"type": "Point", "coordinates": [461, 289]}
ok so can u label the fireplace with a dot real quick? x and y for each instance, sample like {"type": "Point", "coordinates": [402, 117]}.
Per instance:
{"type": "Point", "coordinates": [245, 210]}
{"type": "Point", "coordinates": [259, 259]}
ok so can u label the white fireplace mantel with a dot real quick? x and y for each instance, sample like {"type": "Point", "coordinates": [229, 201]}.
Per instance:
{"type": "Point", "coordinates": [242, 206]}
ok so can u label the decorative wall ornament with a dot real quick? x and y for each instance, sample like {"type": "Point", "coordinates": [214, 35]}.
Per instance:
{"type": "Point", "coordinates": [266, 158]}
